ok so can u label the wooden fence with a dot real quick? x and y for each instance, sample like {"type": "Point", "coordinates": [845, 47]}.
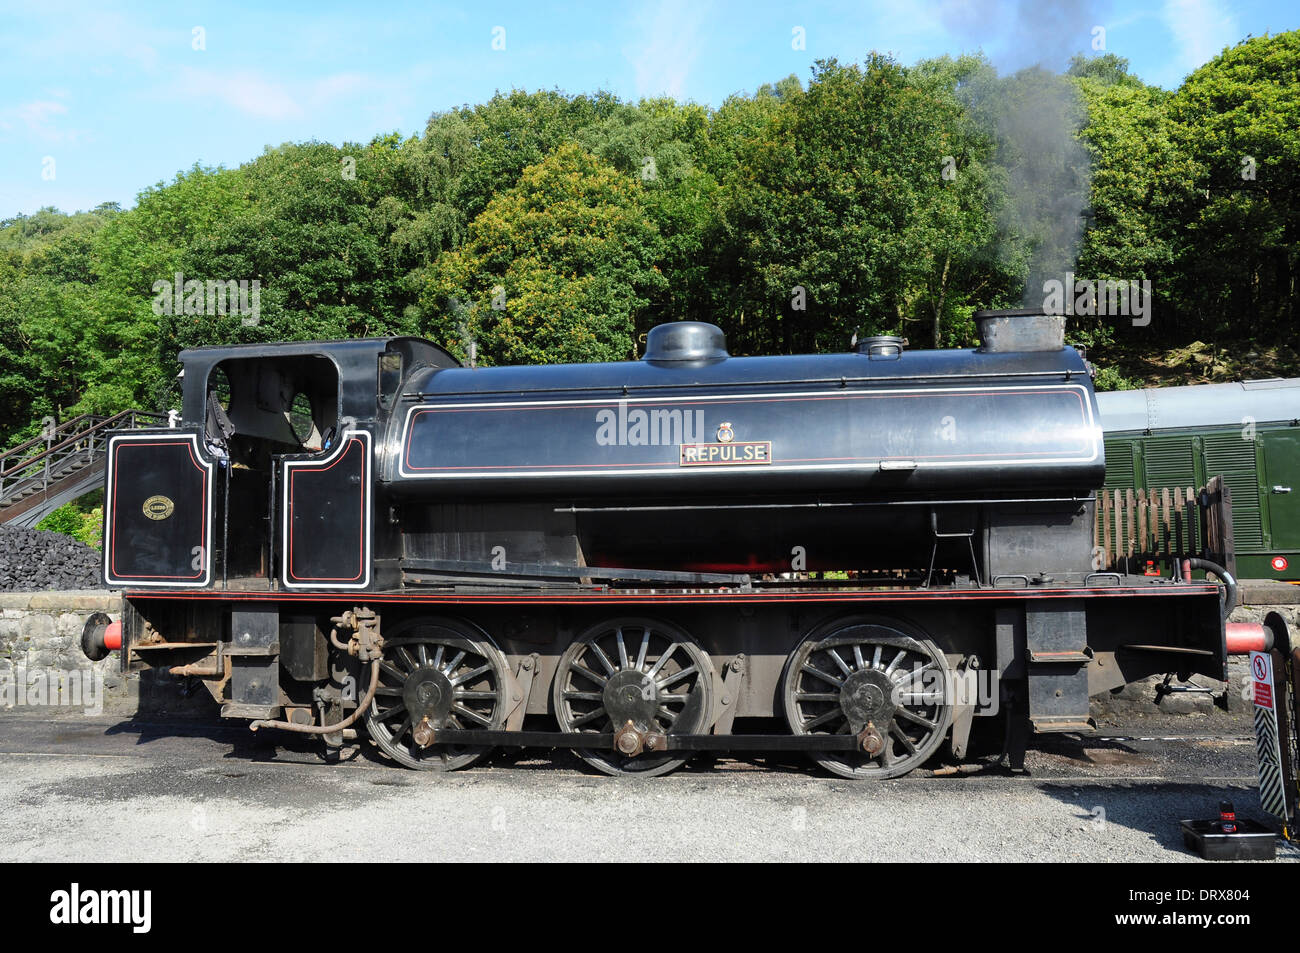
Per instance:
{"type": "Point", "coordinates": [1137, 527]}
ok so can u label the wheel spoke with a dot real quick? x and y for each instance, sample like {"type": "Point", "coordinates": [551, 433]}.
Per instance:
{"type": "Point", "coordinates": [583, 696]}
{"type": "Point", "coordinates": [622, 649]}
{"type": "Point", "coordinates": [391, 712]}
{"type": "Point", "coordinates": [818, 696]}
{"type": "Point", "coordinates": [406, 723]}
{"type": "Point", "coordinates": [437, 656]}
{"type": "Point", "coordinates": [914, 717]}
{"type": "Point", "coordinates": [590, 716]}
{"type": "Point", "coordinates": [901, 735]}
{"type": "Point", "coordinates": [675, 697]}
{"type": "Point", "coordinates": [920, 698]}
{"type": "Point", "coordinates": [387, 690]}
{"type": "Point", "coordinates": [915, 673]}
{"type": "Point", "coordinates": [858, 663]}
{"type": "Point", "coordinates": [823, 719]}
{"type": "Point", "coordinates": [472, 715]}
{"type": "Point", "coordinates": [666, 714]}
{"type": "Point", "coordinates": [875, 657]}
{"type": "Point", "coordinates": [894, 664]}
{"type": "Point", "coordinates": [461, 679]}
{"type": "Point", "coordinates": [423, 651]}
{"type": "Point", "coordinates": [588, 673]}
{"type": "Point", "coordinates": [839, 662]}
{"type": "Point", "coordinates": [654, 670]}
{"type": "Point", "coordinates": [601, 657]}
{"type": "Point", "coordinates": [474, 696]}
{"type": "Point", "coordinates": [452, 665]}
{"type": "Point", "coordinates": [675, 677]}
{"type": "Point", "coordinates": [824, 676]}
{"type": "Point", "coordinates": [645, 646]}
{"type": "Point", "coordinates": [404, 657]}
{"type": "Point", "coordinates": [391, 670]}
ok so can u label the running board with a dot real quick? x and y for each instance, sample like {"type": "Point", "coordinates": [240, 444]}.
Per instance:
{"type": "Point", "coordinates": [1050, 725]}
{"type": "Point", "coordinates": [431, 571]}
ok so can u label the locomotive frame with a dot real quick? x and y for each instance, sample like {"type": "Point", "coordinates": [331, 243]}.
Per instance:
{"type": "Point", "coordinates": [328, 587]}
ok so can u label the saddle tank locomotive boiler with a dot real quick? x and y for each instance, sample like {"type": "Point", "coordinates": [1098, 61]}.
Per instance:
{"type": "Point", "coordinates": [641, 560]}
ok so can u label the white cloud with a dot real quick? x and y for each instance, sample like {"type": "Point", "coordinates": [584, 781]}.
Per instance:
{"type": "Point", "coordinates": [244, 90]}
{"type": "Point", "coordinates": [670, 45]}
{"type": "Point", "coordinates": [38, 118]}
{"type": "Point", "coordinates": [1201, 29]}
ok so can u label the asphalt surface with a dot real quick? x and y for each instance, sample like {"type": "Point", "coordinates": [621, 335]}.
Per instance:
{"type": "Point", "coordinates": [77, 788]}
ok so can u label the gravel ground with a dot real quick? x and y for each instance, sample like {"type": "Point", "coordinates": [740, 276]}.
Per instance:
{"type": "Point", "coordinates": [110, 788]}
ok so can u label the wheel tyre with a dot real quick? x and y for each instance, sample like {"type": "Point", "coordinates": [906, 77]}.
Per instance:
{"type": "Point", "coordinates": [385, 721]}
{"type": "Point", "coordinates": [812, 708]}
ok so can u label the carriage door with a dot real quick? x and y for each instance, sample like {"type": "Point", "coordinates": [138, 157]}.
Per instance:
{"type": "Point", "coordinates": [1282, 491]}
{"type": "Point", "coordinates": [325, 506]}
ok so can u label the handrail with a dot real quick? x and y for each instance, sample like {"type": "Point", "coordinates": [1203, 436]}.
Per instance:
{"type": "Point", "coordinates": [82, 447]}
{"type": "Point", "coordinates": [35, 440]}
{"type": "Point", "coordinates": [98, 427]}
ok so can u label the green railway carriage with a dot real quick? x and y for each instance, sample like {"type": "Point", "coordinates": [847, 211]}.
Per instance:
{"type": "Point", "coordinates": [1249, 433]}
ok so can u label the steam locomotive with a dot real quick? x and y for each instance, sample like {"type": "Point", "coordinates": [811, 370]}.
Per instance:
{"type": "Point", "coordinates": [848, 555]}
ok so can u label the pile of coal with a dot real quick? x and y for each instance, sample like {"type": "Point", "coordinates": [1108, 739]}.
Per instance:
{"type": "Point", "coordinates": [32, 560]}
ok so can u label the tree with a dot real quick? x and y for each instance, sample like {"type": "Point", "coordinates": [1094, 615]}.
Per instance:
{"type": "Point", "coordinates": [555, 269]}
{"type": "Point", "coordinates": [1237, 119]}
{"type": "Point", "coordinates": [1138, 174]}
{"type": "Point", "coordinates": [842, 216]}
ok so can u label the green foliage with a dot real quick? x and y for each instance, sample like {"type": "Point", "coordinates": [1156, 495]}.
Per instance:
{"type": "Point", "coordinates": [556, 268]}
{"type": "Point", "coordinates": [82, 519]}
{"type": "Point", "coordinates": [839, 203]}
{"type": "Point", "coordinates": [1237, 122]}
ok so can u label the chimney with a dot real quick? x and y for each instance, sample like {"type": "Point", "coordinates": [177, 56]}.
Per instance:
{"type": "Point", "coordinates": [1020, 329]}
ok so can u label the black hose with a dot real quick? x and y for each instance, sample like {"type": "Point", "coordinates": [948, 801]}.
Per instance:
{"type": "Point", "coordinates": [1229, 583]}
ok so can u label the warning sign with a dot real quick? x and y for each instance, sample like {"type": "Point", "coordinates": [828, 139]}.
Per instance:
{"type": "Point", "coordinates": [1268, 753]}
{"type": "Point", "coordinates": [1261, 673]}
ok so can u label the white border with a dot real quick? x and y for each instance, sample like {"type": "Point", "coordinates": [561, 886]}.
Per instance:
{"type": "Point", "coordinates": [345, 440]}
{"type": "Point", "coordinates": [209, 534]}
{"type": "Point", "coordinates": [696, 398]}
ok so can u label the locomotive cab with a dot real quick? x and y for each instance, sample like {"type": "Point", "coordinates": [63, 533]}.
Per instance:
{"type": "Point", "coordinates": [275, 446]}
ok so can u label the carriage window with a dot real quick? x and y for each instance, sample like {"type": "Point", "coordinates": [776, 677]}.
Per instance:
{"type": "Point", "coordinates": [390, 378]}
{"type": "Point", "coordinates": [300, 418]}
{"type": "Point", "coordinates": [219, 387]}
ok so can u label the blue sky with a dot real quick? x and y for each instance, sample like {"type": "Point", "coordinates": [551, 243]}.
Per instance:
{"type": "Point", "coordinates": [98, 101]}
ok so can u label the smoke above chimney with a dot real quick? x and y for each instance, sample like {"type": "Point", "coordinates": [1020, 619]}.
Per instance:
{"type": "Point", "coordinates": [1034, 114]}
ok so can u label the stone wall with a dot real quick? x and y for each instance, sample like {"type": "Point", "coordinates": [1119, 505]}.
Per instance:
{"type": "Point", "coordinates": [40, 637]}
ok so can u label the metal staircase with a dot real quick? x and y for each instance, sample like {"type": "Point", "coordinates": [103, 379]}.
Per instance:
{"type": "Point", "coordinates": [65, 462]}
